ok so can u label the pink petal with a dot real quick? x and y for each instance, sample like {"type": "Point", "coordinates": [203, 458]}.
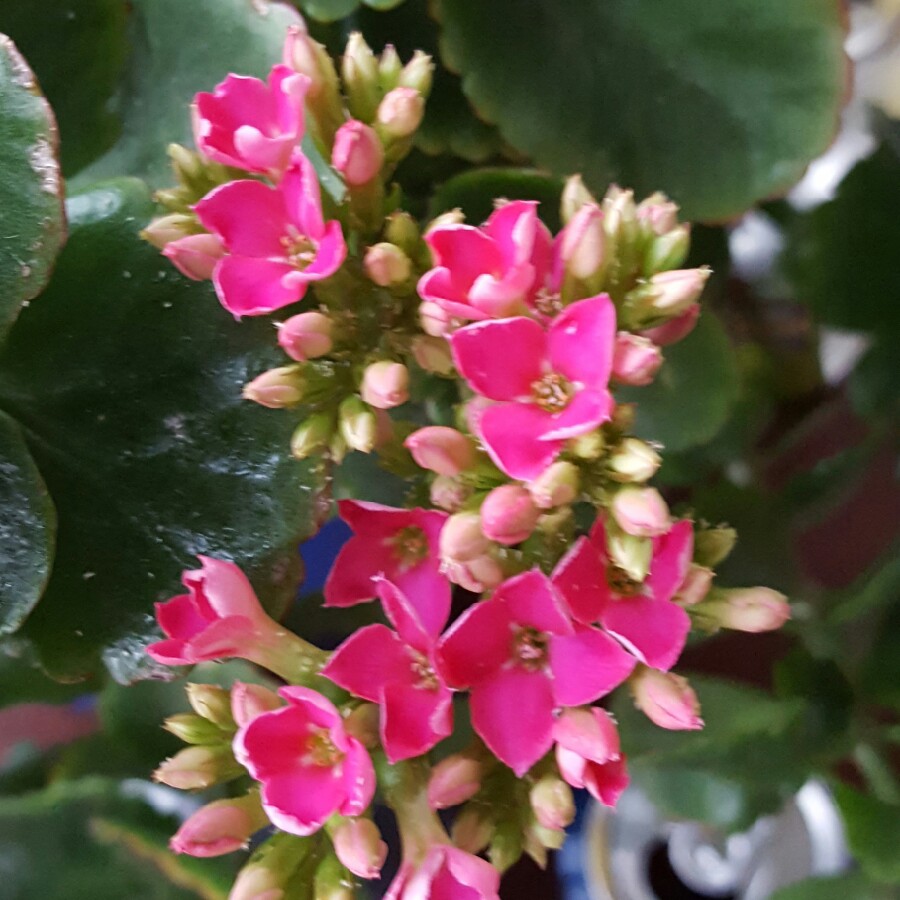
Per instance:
{"type": "Point", "coordinates": [477, 644]}
{"type": "Point", "coordinates": [586, 666]}
{"type": "Point", "coordinates": [672, 555]}
{"type": "Point", "coordinates": [302, 197]}
{"type": "Point", "coordinates": [253, 287]}
{"type": "Point", "coordinates": [500, 375]}
{"type": "Point", "coordinates": [532, 600]}
{"type": "Point", "coordinates": [581, 579]}
{"type": "Point", "coordinates": [512, 712]}
{"type": "Point", "coordinates": [654, 630]}
{"type": "Point", "coordinates": [428, 590]}
{"type": "Point", "coordinates": [317, 709]}
{"type": "Point", "coordinates": [228, 590]}
{"type": "Point", "coordinates": [473, 872]}
{"type": "Point", "coordinates": [438, 286]}
{"type": "Point", "coordinates": [300, 801]}
{"type": "Point", "coordinates": [513, 227]}
{"type": "Point", "coordinates": [271, 742]}
{"type": "Point", "coordinates": [572, 766]}
{"type": "Point", "coordinates": [358, 775]}
{"type": "Point", "coordinates": [581, 341]}
{"type": "Point", "coordinates": [586, 410]}
{"type": "Point", "coordinates": [499, 297]}
{"type": "Point", "coordinates": [513, 435]}
{"type": "Point", "coordinates": [607, 781]}
{"type": "Point", "coordinates": [249, 217]}
{"type": "Point", "coordinates": [171, 653]}
{"type": "Point", "coordinates": [181, 617]}
{"type": "Point", "coordinates": [331, 253]}
{"type": "Point", "coordinates": [414, 719]}
{"type": "Point", "coordinates": [403, 616]}
{"type": "Point", "coordinates": [350, 579]}
{"type": "Point", "coordinates": [591, 733]}
{"type": "Point", "coordinates": [261, 153]}
{"type": "Point", "coordinates": [289, 92]}
{"type": "Point", "coordinates": [238, 99]}
{"type": "Point", "coordinates": [369, 659]}
{"type": "Point", "coordinates": [466, 252]}
{"type": "Point", "coordinates": [231, 636]}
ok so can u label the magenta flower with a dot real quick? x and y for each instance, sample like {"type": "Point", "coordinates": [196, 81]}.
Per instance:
{"type": "Point", "coordinates": [640, 614]}
{"type": "Point", "coordinates": [252, 125]}
{"type": "Point", "coordinates": [446, 873]}
{"type": "Point", "coordinates": [308, 765]}
{"type": "Point", "coordinates": [218, 617]}
{"type": "Point", "coordinates": [402, 545]}
{"type": "Point", "coordinates": [522, 656]}
{"type": "Point", "coordinates": [276, 239]}
{"type": "Point", "coordinates": [487, 272]}
{"type": "Point", "coordinates": [396, 670]}
{"type": "Point", "coordinates": [551, 384]}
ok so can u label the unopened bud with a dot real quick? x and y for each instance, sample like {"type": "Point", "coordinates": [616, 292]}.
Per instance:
{"type": "Point", "coordinates": [635, 359]}
{"type": "Point", "coordinates": [358, 845]}
{"type": "Point", "coordinates": [417, 73]}
{"type": "Point", "coordinates": [623, 417]}
{"type": "Point", "coordinates": [193, 729]}
{"type": "Point", "coordinates": [631, 554]}
{"type": "Point", "coordinates": [389, 68]}
{"type": "Point", "coordinates": [357, 153]}
{"type": "Point", "coordinates": [277, 389]}
{"type": "Point", "coordinates": [387, 264]}
{"type": "Point", "coordinates": [164, 229]}
{"type": "Point", "coordinates": [310, 58]}
{"type": "Point", "coordinates": [212, 702]}
{"type": "Point", "coordinates": [574, 196]}
{"type": "Point", "coordinates": [753, 610]}
{"type": "Point", "coordinates": [506, 846]}
{"type": "Point", "coordinates": [400, 112]}
{"type": "Point", "coordinates": [196, 255]}
{"type": "Point", "coordinates": [462, 538]}
{"type": "Point", "coordinates": [451, 217]}
{"type": "Point", "coordinates": [668, 251]}
{"type": "Point", "coordinates": [640, 511]}
{"type": "Point", "coordinates": [305, 336]}
{"type": "Point", "coordinates": [448, 493]}
{"type": "Point", "coordinates": [483, 573]}
{"type": "Point", "coordinates": [508, 514]}
{"type": "Point", "coordinates": [588, 446]}
{"type": "Point", "coordinates": [454, 780]}
{"type": "Point", "coordinates": [312, 435]}
{"type": "Point", "coordinates": [251, 700]}
{"type": "Point", "coordinates": [584, 243]}
{"type": "Point", "coordinates": [363, 724]}
{"type": "Point", "coordinates": [440, 449]}
{"type": "Point", "coordinates": [472, 830]}
{"type": "Point", "coordinates": [356, 421]}
{"type": "Point", "coordinates": [432, 354]}
{"type": "Point", "coordinates": [712, 545]}
{"type": "Point", "coordinates": [434, 319]}
{"type": "Point", "coordinates": [359, 69]}
{"type": "Point", "coordinates": [551, 838]}
{"type": "Point", "coordinates": [695, 586]}
{"type": "Point", "coordinates": [676, 291]}
{"type": "Point", "coordinates": [257, 883]}
{"type": "Point", "coordinates": [401, 229]}
{"type": "Point", "coordinates": [385, 384]}
{"type": "Point", "coordinates": [267, 874]}
{"type": "Point", "coordinates": [620, 214]}
{"type": "Point", "coordinates": [657, 214]}
{"type": "Point", "coordinates": [633, 460]}
{"type": "Point", "coordinates": [220, 827]}
{"type": "Point", "coordinates": [332, 881]}
{"type": "Point", "coordinates": [557, 485]}
{"type": "Point", "coordinates": [196, 768]}
{"type": "Point", "coordinates": [666, 699]}
{"type": "Point", "coordinates": [552, 802]}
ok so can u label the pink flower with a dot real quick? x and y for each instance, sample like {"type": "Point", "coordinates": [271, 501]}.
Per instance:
{"type": "Point", "coordinates": [402, 545]}
{"type": "Point", "coordinates": [396, 670]}
{"type": "Point", "coordinates": [587, 753]}
{"type": "Point", "coordinates": [218, 617]}
{"type": "Point", "coordinates": [641, 615]}
{"type": "Point", "coordinates": [522, 657]}
{"type": "Point", "coordinates": [446, 873]}
{"type": "Point", "coordinates": [276, 239]}
{"type": "Point", "coordinates": [486, 272]}
{"type": "Point", "coordinates": [551, 384]}
{"type": "Point", "coordinates": [308, 765]}
{"type": "Point", "coordinates": [252, 125]}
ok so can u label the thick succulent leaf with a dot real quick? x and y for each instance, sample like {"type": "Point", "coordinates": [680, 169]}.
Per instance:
{"type": "Point", "coordinates": [836, 887]}
{"type": "Point", "coordinates": [174, 50]}
{"type": "Point", "coordinates": [718, 104]}
{"type": "Point", "coordinates": [126, 379]}
{"type": "Point", "coordinates": [873, 832]}
{"type": "Point", "coordinates": [77, 51]}
{"type": "Point", "coordinates": [32, 221]}
{"type": "Point", "coordinates": [327, 10]}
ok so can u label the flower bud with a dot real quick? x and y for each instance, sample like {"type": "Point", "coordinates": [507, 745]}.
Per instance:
{"type": "Point", "coordinates": [454, 780]}
{"type": "Point", "coordinates": [676, 291]}
{"type": "Point", "coordinates": [552, 802]}
{"type": "Point", "coordinates": [551, 838]}
{"type": "Point", "coordinates": [256, 883]}
{"type": "Point", "coordinates": [251, 700]}
{"type": "Point", "coordinates": [434, 320]}
{"type": "Point", "coordinates": [357, 424]}
{"type": "Point", "coordinates": [196, 768]}
{"type": "Point", "coordinates": [385, 384]}
{"type": "Point", "coordinates": [666, 699]}
{"type": "Point", "coordinates": [657, 214]}
{"type": "Point", "coordinates": [277, 389]}
{"type": "Point", "coordinates": [193, 729]}
{"type": "Point", "coordinates": [448, 493]}
{"type": "Point", "coordinates": [668, 251]}
{"type": "Point", "coordinates": [389, 68]}
{"type": "Point", "coordinates": [629, 553]}
{"type": "Point", "coordinates": [212, 702]}
{"type": "Point", "coordinates": [584, 243]}
{"type": "Point", "coordinates": [387, 264]}
{"type": "Point", "coordinates": [620, 215]}
{"type": "Point", "coordinates": [472, 830]}
{"type": "Point", "coordinates": [633, 460]}
{"type": "Point", "coordinates": [640, 511]}
{"type": "Point", "coordinates": [358, 845]}
{"type": "Point", "coordinates": [164, 229]}
{"type": "Point", "coordinates": [400, 112]}
{"type": "Point", "coordinates": [195, 255]}
{"type": "Point", "coordinates": [432, 354]}
{"type": "Point", "coordinates": [306, 336]}
{"type": "Point", "coordinates": [588, 446]}
{"type": "Point", "coordinates": [754, 609]}
{"type": "Point", "coordinates": [557, 485]}
{"type": "Point", "coordinates": [712, 545]}
{"type": "Point", "coordinates": [440, 449]}
{"type": "Point", "coordinates": [508, 514]}
{"type": "Point", "coordinates": [267, 874]}
{"type": "Point", "coordinates": [635, 359]}
{"type": "Point", "coordinates": [220, 827]}
{"type": "Point", "coordinates": [359, 70]}
{"type": "Point", "coordinates": [623, 417]}
{"type": "Point", "coordinates": [574, 196]}
{"type": "Point", "coordinates": [695, 586]}
{"type": "Point", "coordinates": [403, 230]}
{"type": "Point", "coordinates": [312, 435]}
{"type": "Point", "coordinates": [506, 846]}
{"type": "Point", "coordinates": [462, 538]}
{"type": "Point", "coordinates": [362, 723]}
{"type": "Point", "coordinates": [357, 153]}
{"type": "Point", "coordinates": [310, 58]}
{"type": "Point", "coordinates": [675, 329]}
{"type": "Point", "coordinates": [483, 573]}
{"type": "Point", "coordinates": [418, 73]}
{"type": "Point", "coordinates": [451, 217]}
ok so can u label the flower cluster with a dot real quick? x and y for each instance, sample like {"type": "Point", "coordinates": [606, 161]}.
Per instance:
{"type": "Point", "coordinates": [534, 570]}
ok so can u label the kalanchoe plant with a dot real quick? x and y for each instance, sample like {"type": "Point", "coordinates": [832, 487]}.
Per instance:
{"type": "Point", "coordinates": [571, 575]}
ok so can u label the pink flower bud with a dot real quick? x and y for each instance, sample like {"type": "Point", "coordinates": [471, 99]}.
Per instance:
{"type": "Point", "coordinates": [472, 830]}
{"type": "Point", "coordinates": [552, 802]}
{"type": "Point", "coordinates": [584, 242]}
{"type": "Point", "coordinates": [676, 329]}
{"type": "Point", "coordinates": [195, 255]}
{"type": "Point", "coordinates": [400, 112]}
{"type": "Point", "coordinates": [508, 514]}
{"type": "Point", "coordinates": [387, 264]}
{"type": "Point", "coordinates": [164, 229]}
{"type": "Point", "coordinates": [417, 73]}
{"type": "Point", "coordinates": [196, 768]}
{"type": "Point", "coordinates": [441, 449]}
{"type": "Point", "coordinates": [754, 609]}
{"type": "Point", "coordinates": [574, 196]}
{"type": "Point", "coordinates": [666, 699]}
{"type": "Point", "coordinates": [635, 359]}
{"type": "Point", "coordinates": [462, 538]}
{"type": "Point", "coordinates": [357, 424]}
{"type": "Point", "coordinates": [306, 56]}
{"type": "Point", "coordinates": [695, 586]}
{"type": "Point", "coordinates": [448, 493]}
{"type": "Point", "coordinates": [678, 290]}
{"type": "Point", "coordinates": [277, 389]}
{"type": "Point", "coordinates": [556, 486]}
{"type": "Point", "coordinates": [250, 700]}
{"type": "Point", "coordinates": [633, 460]}
{"type": "Point", "coordinates": [434, 320]}
{"type": "Point", "coordinates": [454, 780]}
{"type": "Point", "coordinates": [358, 845]}
{"type": "Point", "coordinates": [211, 702]}
{"type": "Point", "coordinates": [432, 354]}
{"type": "Point", "coordinates": [480, 574]}
{"type": "Point", "coordinates": [220, 827]}
{"type": "Point", "coordinates": [256, 883]}
{"type": "Point", "coordinates": [640, 511]}
{"type": "Point", "coordinates": [385, 384]}
{"type": "Point", "coordinates": [357, 153]}
{"type": "Point", "coordinates": [306, 336]}
{"type": "Point", "coordinates": [658, 214]}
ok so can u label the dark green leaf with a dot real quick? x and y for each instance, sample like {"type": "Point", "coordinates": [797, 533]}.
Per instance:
{"type": "Point", "coordinates": [718, 104]}
{"type": "Point", "coordinates": [873, 832]}
{"type": "Point", "coordinates": [853, 886]}
{"type": "Point", "coordinates": [873, 384]}
{"type": "Point", "coordinates": [32, 223]}
{"type": "Point", "coordinates": [327, 10]}
{"type": "Point", "coordinates": [127, 379]}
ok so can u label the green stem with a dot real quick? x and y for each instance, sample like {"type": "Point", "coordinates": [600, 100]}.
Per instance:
{"type": "Point", "coordinates": [405, 787]}
{"type": "Point", "coordinates": [287, 655]}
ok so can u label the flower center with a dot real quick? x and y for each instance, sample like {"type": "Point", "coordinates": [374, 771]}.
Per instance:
{"type": "Point", "coordinates": [320, 749]}
{"type": "Point", "coordinates": [529, 647]}
{"type": "Point", "coordinates": [547, 302]}
{"type": "Point", "coordinates": [410, 545]}
{"type": "Point", "coordinates": [621, 582]}
{"type": "Point", "coordinates": [299, 250]}
{"type": "Point", "coordinates": [552, 393]}
{"type": "Point", "coordinates": [426, 679]}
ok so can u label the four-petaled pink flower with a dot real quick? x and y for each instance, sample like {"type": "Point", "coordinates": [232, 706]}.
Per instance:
{"type": "Point", "coordinates": [551, 384]}
{"type": "Point", "coordinates": [276, 239]}
{"type": "Point", "coordinates": [220, 616]}
{"type": "Point", "coordinates": [640, 614]}
{"type": "Point", "coordinates": [487, 272]}
{"type": "Point", "coordinates": [400, 544]}
{"type": "Point", "coordinates": [397, 671]}
{"type": "Point", "coordinates": [252, 125]}
{"type": "Point", "coordinates": [522, 656]}
{"type": "Point", "coordinates": [446, 873]}
{"type": "Point", "coordinates": [308, 765]}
